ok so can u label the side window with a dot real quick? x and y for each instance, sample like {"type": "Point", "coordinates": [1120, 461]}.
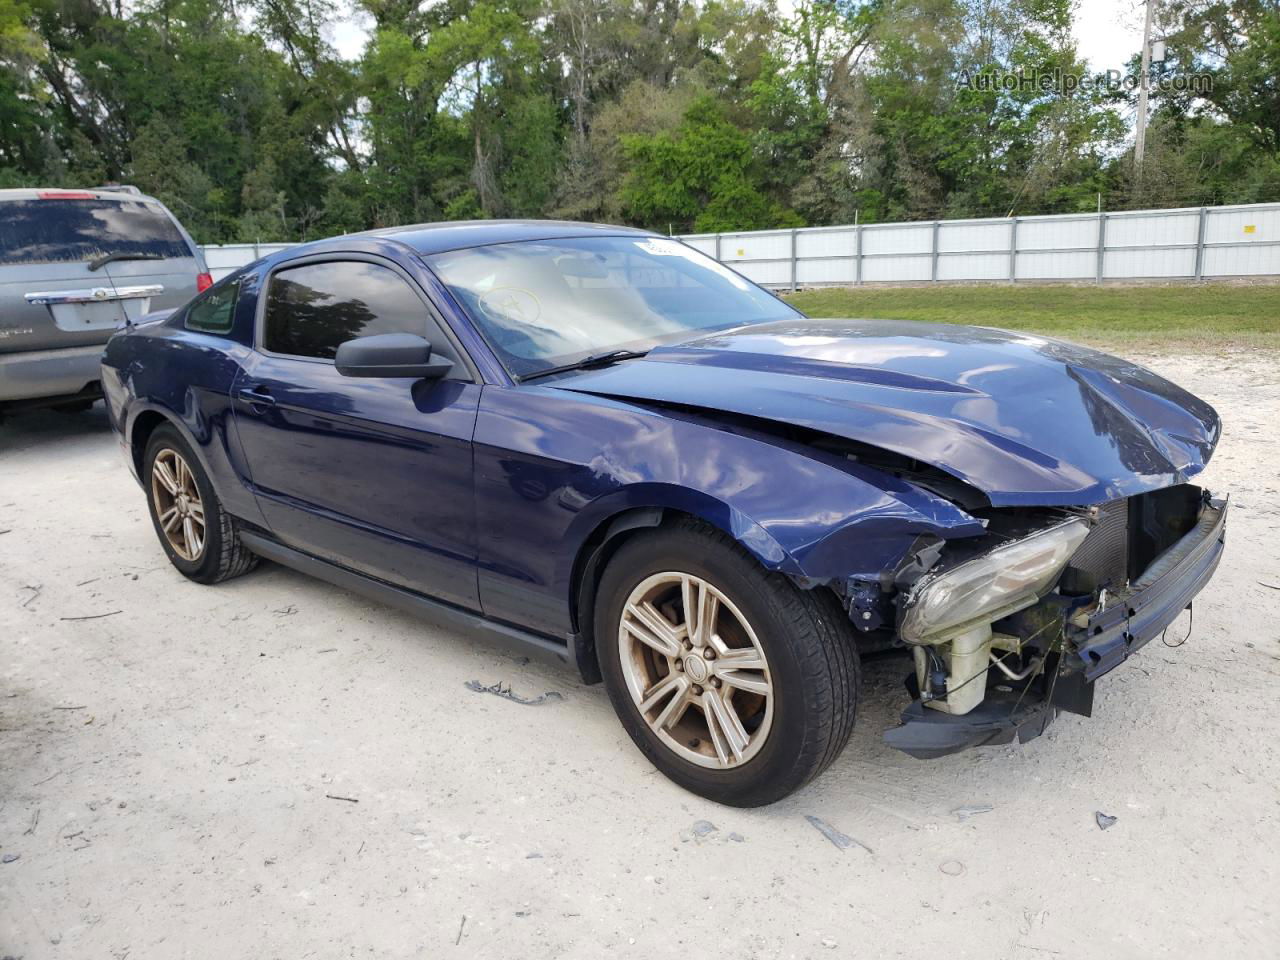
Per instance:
{"type": "Point", "coordinates": [215, 311]}
{"type": "Point", "coordinates": [313, 308]}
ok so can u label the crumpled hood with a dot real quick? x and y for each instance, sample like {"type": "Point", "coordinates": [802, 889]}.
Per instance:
{"type": "Point", "coordinates": [1025, 419]}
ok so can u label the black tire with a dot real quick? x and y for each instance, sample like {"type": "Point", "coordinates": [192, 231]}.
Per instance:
{"type": "Point", "coordinates": [224, 555]}
{"type": "Point", "coordinates": [805, 636]}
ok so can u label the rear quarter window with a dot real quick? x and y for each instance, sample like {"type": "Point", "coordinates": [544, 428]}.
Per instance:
{"type": "Point", "coordinates": [54, 230]}
{"type": "Point", "coordinates": [215, 310]}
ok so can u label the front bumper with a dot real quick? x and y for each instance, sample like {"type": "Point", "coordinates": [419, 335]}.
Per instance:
{"type": "Point", "coordinates": [1166, 589]}
{"type": "Point", "coordinates": [1105, 639]}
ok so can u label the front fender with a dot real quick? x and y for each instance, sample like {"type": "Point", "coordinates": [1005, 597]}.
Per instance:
{"type": "Point", "coordinates": [553, 467]}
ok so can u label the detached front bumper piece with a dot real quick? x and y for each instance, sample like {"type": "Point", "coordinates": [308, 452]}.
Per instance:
{"type": "Point", "coordinates": [1000, 718]}
{"type": "Point", "coordinates": [1096, 643]}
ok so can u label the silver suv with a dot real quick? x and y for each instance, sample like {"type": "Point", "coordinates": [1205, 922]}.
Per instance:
{"type": "Point", "coordinates": [74, 266]}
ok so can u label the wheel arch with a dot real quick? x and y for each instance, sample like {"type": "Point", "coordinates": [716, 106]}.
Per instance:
{"type": "Point", "coordinates": [606, 533]}
{"type": "Point", "coordinates": [144, 423]}
{"type": "Point", "coordinates": [140, 431]}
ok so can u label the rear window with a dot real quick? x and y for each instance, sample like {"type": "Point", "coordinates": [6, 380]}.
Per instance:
{"type": "Point", "coordinates": [67, 231]}
{"type": "Point", "coordinates": [214, 312]}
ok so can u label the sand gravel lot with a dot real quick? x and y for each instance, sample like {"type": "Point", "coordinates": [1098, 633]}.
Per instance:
{"type": "Point", "coordinates": [275, 768]}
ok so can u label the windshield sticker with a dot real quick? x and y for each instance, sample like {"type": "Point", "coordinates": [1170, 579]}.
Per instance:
{"type": "Point", "coordinates": [658, 247]}
{"type": "Point", "coordinates": [662, 248]}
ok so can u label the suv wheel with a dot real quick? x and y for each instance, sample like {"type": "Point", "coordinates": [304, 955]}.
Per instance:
{"type": "Point", "coordinates": [735, 683]}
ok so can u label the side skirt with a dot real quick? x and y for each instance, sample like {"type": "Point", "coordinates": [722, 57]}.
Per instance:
{"type": "Point", "coordinates": [442, 614]}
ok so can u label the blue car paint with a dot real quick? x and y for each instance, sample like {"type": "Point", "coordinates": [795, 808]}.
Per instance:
{"type": "Point", "coordinates": [552, 467]}
{"type": "Point", "coordinates": [1022, 419]}
{"type": "Point", "coordinates": [376, 479]}
{"type": "Point", "coordinates": [1027, 420]}
{"type": "Point", "coordinates": [184, 377]}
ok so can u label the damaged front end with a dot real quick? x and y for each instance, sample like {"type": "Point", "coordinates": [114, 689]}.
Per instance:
{"type": "Point", "coordinates": [1011, 627]}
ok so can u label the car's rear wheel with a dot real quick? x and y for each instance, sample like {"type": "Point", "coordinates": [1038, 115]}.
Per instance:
{"type": "Point", "coordinates": [198, 536]}
{"type": "Point", "coordinates": [735, 683]}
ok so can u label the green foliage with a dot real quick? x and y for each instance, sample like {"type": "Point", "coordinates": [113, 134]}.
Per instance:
{"type": "Point", "coordinates": [708, 115]}
{"type": "Point", "coordinates": [700, 176]}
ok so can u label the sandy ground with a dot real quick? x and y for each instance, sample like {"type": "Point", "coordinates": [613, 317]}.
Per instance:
{"type": "Point", "coordinates": [168, 773]}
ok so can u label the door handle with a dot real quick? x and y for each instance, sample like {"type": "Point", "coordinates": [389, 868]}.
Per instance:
{"type": "Point", "coordinates": [257, 396]}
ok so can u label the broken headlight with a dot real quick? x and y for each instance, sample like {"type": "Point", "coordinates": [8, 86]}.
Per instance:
{"type": "Point", "coordinates": [994, 585]}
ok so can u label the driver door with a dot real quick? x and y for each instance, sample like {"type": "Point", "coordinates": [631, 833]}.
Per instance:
{"type": "Point", "coordinates": [371, 474]}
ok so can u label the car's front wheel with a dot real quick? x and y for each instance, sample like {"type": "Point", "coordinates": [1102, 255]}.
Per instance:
{"type": "Point", "coordinates": [734, 682]}
{"type": "Point", "coordinates": [199, 537]}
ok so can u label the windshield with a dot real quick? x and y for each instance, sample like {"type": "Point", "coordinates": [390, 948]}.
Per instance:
{"type": "Point", "coordinates": [543, 304]}
{"type": "Point", "coordinates": [58, 230]}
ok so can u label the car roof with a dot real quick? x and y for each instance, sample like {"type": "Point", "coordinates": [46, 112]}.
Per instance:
{"type": "Point", "coordinates": [97, 193]}
{"type": "Point", "coordinates": [429, 238]}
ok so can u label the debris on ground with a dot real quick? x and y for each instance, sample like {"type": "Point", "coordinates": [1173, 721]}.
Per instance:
{"type": "Point", "coordinates": [963, 813]}
{"type": "Point", "coordinates": [737, 837]}
{"type": "Point", "coordinates": [330, 796]}
{"type": "Point", "coordinates": [10, 857]}
{"type": "Point", "coordinates": [500, 690]}
{"type": "Point", "coordinates": [952, 868]}
{"type": "Point", "coordinates": [701, 828]}
{"type": "Point", "coordinates": [93, 616]}
{"type": "Point", "coordinates": [841, 840]}
{"type": "Point", "coordinates": [1103, 819]}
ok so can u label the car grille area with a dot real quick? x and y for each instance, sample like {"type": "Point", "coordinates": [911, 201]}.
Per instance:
{"type": "Point", "coordinates": [1127, 535]}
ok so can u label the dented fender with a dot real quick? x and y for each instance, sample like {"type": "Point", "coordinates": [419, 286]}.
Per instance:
{"type": "Point", "coordinates": [578, 461]}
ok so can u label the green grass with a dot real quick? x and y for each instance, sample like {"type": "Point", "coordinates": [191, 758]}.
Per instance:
{"type": "Point", "coordinates": [1161, 317]}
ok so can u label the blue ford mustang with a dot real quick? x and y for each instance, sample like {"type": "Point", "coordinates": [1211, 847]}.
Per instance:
{"type": "Point", "coordinates": [604, 447]}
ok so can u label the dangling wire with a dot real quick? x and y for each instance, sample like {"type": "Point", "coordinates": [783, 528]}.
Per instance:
{"type": "Point", "coordinates": [1191, 619]}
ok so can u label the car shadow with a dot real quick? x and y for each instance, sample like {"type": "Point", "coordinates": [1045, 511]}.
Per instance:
{"type": "Point", "coordinates": [30, 430]}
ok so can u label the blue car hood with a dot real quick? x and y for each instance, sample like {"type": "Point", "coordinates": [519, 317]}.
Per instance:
{"type": "Point", "coordinates": [1025, 419]}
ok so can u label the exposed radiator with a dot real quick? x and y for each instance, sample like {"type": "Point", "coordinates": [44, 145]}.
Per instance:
{"type": "Point", "coordinates": [1103, 557]}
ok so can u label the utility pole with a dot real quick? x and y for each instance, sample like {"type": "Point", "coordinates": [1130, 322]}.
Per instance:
{"type": "Point", "coordinates": [1140, 140]}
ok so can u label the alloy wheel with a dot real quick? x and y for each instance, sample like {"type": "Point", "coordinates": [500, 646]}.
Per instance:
{"type": "Point", "coordinates": [695, 670]}
{"type": "Point", "coordinates": [178, 506]}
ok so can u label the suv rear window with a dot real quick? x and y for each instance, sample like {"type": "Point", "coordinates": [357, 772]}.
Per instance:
{"type": "Point", "coordinates": [61, 231]}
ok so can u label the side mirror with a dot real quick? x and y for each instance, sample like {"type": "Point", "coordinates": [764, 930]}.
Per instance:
{"type": "Point", "coordinates": [390, 355]}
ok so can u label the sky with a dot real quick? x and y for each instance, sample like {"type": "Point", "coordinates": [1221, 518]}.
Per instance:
{"type": "Point", "coordinates": [1108, 32]}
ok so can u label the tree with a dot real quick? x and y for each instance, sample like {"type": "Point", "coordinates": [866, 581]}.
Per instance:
{"type": "Point", "coordinates": [701, 176]}
{"type": "Point", "coordinates": [693, 114]}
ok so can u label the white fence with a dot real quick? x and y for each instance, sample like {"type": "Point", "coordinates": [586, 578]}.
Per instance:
{"type": "Point", "coordinates": [222, 260]}
{"type": "Point", "coordinates": [1192, 243]}
{"type": "Point", "coordinates": [1195, 243]}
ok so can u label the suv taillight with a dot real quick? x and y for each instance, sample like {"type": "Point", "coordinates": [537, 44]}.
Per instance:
{"type": "Point", "coordinates": [203, 282]}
